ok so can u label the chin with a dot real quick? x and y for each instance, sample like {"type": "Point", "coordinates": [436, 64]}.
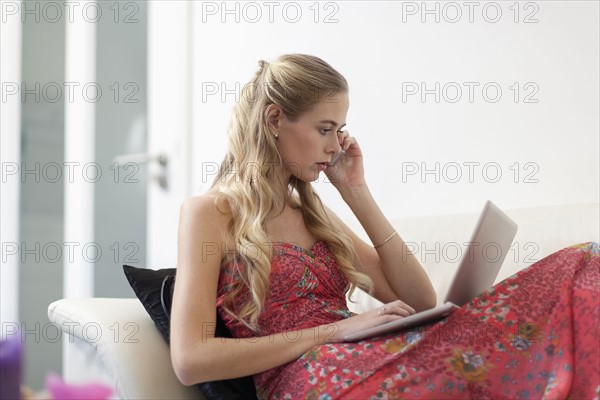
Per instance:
{"type": "Point", "coordinates": [310, 178]}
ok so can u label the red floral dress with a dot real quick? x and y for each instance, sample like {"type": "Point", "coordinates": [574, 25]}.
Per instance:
{"type": "Point", "coordinates": [534, 335]}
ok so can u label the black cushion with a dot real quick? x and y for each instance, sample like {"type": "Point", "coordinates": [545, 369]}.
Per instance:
{"type": "Point", "coordinates": [154, 289]}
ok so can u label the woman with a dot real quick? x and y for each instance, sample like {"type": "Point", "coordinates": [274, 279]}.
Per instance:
{"type": "Point", "coordinates": [280, 263]}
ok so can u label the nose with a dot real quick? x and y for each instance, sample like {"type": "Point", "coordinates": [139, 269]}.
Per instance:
{"type": "Point", "coordinates": [333, 145]}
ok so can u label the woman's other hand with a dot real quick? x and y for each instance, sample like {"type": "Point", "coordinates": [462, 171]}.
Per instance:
{"type": "Point", "coordinates": [336, 331]}
{"type": "Point", "coordinates": [348, 172]}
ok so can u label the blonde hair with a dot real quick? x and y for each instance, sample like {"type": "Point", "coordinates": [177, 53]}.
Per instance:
{"type": "Point", "coordinates": [247, 179]}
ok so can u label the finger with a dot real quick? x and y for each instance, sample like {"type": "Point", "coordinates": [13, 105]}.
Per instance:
{"type": "Point", "coordinates": [401, 308]}
{"type": "Point", "coordinates": [392, 309]}
{"type": "Point", "coordinates": [403, 304]}
{"type": "Point", "coordinates": [399, 311]}
{"type": "Point", "coordinates": [408, 308]}
{"type": "Point", "coordinates": [348, 141]}
{"type": "Point", "coordinates": [343, 135]}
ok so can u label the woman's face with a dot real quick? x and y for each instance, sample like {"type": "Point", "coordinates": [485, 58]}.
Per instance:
{"type": "Point", "coordinates": [308, 144]}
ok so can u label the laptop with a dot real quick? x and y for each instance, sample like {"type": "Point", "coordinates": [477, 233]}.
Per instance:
{"type": "Point", "coordinates": [478, 268]}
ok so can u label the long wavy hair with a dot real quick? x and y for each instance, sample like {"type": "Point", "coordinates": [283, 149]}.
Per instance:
{"type": "Point", "coordinates": [248, 180]}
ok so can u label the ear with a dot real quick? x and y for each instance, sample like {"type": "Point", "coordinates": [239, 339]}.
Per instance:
{"type": "Point", "coordinates": [273, 116]}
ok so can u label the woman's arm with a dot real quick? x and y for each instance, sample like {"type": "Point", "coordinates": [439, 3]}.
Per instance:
{"type": "Point", "coordinates": [198, 356]}
{"type": "Point", "coordinates": [395, 271]}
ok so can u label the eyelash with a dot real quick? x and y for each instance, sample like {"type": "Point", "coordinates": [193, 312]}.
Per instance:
{"type": "Point", "coordinates": [327, 131]}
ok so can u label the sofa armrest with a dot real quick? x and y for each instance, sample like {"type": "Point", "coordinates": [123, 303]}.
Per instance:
{"type": "Point", "coordinates": [125, 342]}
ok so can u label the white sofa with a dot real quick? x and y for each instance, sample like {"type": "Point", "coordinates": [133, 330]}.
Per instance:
{"type": "Point", "coordinates": [129, 353]}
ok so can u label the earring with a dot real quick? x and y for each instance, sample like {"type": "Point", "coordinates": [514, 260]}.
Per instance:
{"type": "Point", "coordinates": [277, 136]}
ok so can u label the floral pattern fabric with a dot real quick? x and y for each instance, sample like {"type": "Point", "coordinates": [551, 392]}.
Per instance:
{"type": "Point", "coordinates": [534, 335]}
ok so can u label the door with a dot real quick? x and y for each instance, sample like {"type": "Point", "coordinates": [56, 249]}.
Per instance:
{"type": "Point", "coordinates": [166, 159]}
{"type": "Point", "coordinates": [169, 126]}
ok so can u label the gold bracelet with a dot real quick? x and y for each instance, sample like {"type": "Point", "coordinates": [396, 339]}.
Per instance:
{"type": "Point", "coordinates": [386, 240]}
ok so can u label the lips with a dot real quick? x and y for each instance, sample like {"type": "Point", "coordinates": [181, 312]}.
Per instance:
{"type": "Point", "coordinates": [322, 166]}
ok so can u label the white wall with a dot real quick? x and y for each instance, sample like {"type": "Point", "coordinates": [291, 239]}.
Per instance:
{"type": "Point", "coordinates": [551, 140]}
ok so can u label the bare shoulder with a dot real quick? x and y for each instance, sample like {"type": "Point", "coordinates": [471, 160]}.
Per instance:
{"type": "Point", "coordinates": [206, 216]}
{"type": "Point", "coordinates": [211, 205]}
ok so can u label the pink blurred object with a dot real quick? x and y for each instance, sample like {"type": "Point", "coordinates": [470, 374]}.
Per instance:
{"type": "Point", "coordinates": [11, 349]}
{"type": "Point", "coordinates": [59, 390]}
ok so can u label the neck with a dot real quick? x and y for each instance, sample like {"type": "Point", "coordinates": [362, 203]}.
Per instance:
{"type": "Point", "coordinates": [282, 187]}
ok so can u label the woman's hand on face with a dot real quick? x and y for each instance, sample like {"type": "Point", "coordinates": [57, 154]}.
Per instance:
{"type": "Point", "coordinates": [336, 331]}
{"type": "Point", "coordinates": [348, 172]}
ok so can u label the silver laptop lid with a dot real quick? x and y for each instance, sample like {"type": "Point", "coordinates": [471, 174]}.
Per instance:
{"type": "Point", "coordinates": [484, 255]}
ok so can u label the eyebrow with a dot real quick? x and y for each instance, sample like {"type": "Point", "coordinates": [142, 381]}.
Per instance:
{"type": "Point", "coordinates": [332, 122]}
